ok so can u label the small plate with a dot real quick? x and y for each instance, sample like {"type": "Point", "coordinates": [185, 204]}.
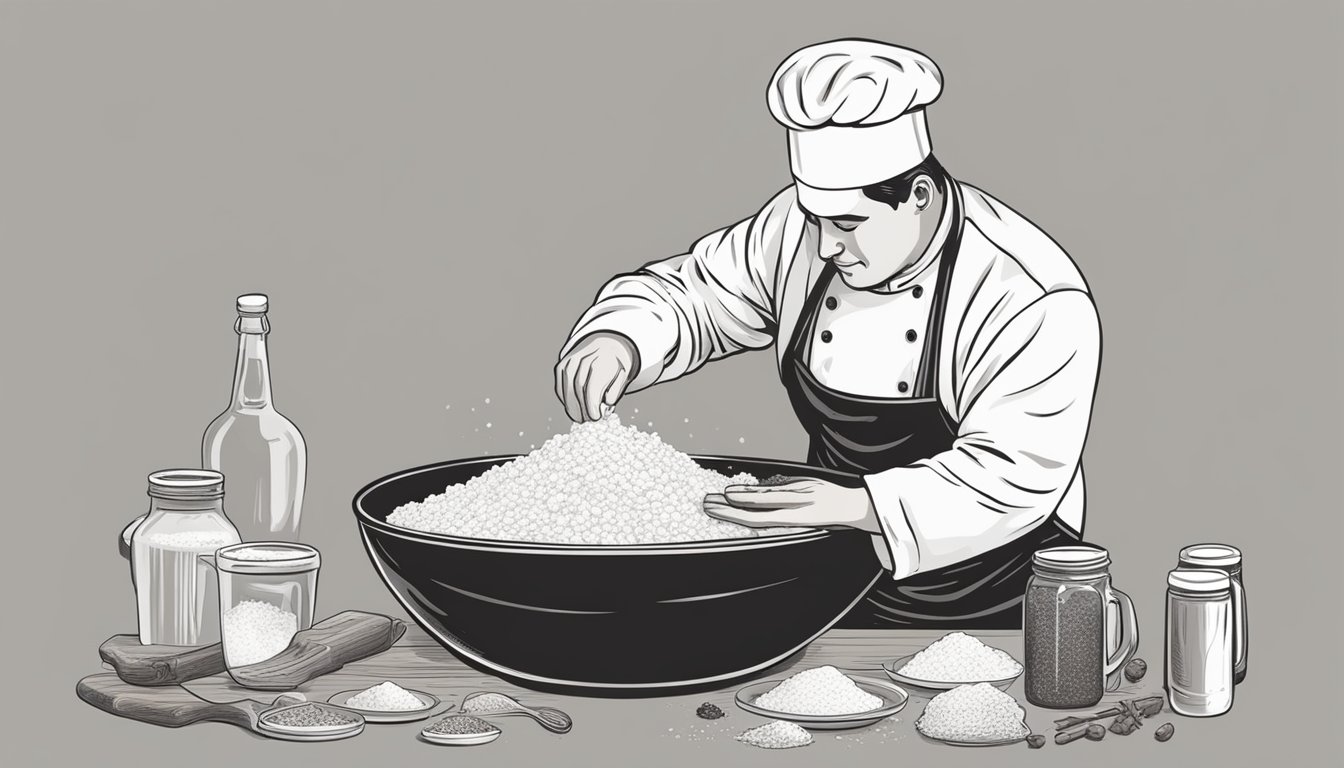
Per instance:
{"type": "Point", "coordinates": [379, 716]}
{"type": "Point", "coordinates": [935, 687]}
{"type": "Point", "coordinates": [999, 743]}
{"type": "Point", "coordinates": [308, 733]}
{"type": "Point", "coordinates": [893, 700]}
{"type": "Point", "coordinates": [459, 740]}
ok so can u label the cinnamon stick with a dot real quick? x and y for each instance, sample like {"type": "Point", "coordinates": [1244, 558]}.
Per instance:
{"type": "Point", "coordinates": [1147, 707]}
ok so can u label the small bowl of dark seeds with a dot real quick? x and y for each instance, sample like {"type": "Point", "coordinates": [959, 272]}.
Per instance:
{"type": "Point", "coordinates": [310, 721]}
{"type": "Point", "coordinates": [460, 731]}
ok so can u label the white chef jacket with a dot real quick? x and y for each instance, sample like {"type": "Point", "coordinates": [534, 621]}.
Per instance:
{"type": "Point", "coordinates": [1020, 356]}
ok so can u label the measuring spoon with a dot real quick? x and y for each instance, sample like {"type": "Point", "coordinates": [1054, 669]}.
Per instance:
{"type": "Point", "coordinates": [550, 718]}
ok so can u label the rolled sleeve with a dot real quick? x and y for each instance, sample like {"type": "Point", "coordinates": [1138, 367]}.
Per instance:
{"type": "Point", "coordinates": [713, 301]}
{"type": "Point", "coordinates": [1018, 447]}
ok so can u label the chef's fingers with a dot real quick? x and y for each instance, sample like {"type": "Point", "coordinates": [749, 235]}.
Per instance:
{"type": "Point", "coordinates": [769, 518]}
{"type": "Point", "coordinates": [600, 373]}
{"type": "Point", "coordinates": [560, 370]}
{"type": "Point", "coordinates": [767, 498]}
{"type": "Point", "coordinates": [617, 387]}
{"type": "Point", "coordinates": [573, 406]}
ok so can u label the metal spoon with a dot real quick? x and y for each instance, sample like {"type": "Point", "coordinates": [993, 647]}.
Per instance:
{"type": "Point", "coordinates": [549, 718]}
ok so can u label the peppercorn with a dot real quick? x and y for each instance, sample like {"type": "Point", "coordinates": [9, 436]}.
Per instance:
{"type": "Point", "coordinates": [1096, 732]}
{"type": "Point", "coordinates": [1164, 732]}
{"type": "Point", "coordinates": [1135, 670]}
{"type": "Point", "coordinates": [1035, 741]}
{"type": "Point", "coordinates": [709, 711]}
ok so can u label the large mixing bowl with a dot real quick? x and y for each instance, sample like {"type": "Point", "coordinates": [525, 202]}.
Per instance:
{"type": "Point", "coordinates": [645, 620]}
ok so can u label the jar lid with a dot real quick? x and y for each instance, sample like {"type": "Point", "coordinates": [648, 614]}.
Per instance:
{"type": "Point", "coordinates": [186, 484]}
{"type": "Point", "coordinates": [274, 558]}
{"type": "Point", "coordinates": [1072, 559]}
{"type": "Point", "coordinates": [1199, 581]}
{"type": "Point", "coordinates": [253, 304]}
{"type": "Point", "coordinates": [1211, 555]}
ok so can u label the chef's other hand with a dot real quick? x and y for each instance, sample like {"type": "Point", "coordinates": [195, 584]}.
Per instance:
{"type": "Point", "coordinates": [803, 503]}
{"type": "Point", "coordinates": [595, 373]}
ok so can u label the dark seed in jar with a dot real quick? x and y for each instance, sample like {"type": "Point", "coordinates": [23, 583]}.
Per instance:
{"type": "Point", "coordinates": [1135, 670]}
{"type": "Point", "coordinates": [1035, 741]}
{"type": "Point", "coordinates": [709, 711]}
{"type": "Point", "coordinates": [1164, 731]}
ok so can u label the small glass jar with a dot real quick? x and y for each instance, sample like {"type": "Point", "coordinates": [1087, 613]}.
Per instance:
{"type": "Point", "coordinates": [1221, 557]}
{"type": "Point", "coordinates": [267, 593]}
{"type": "Point", "coordinates": [1065, 627]}
{"type": "Point", "coordinates": [175, 590]}
{"type": "Point", "coordinates": [1199, 655]}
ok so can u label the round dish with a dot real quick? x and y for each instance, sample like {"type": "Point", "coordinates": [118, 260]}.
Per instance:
{"type": "Point", "coordinates": [893, 700]}
{"type": "Point", "coordinates": [307, 733]}
{"type": "Point", "coordinates": [935, 687]}
{"type": "Point", "coordinates": [428, 702]}
{"type": "Point", "coordinates": [999, 743]}
{"type": "Point", "coordinates": [459, 740]}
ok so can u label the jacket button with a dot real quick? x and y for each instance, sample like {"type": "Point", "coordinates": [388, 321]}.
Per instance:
{"type": "Point", "coordinates": [902, 387]}
{"type": "Point", "coordinates": [826, 336]}
{"type": "Point", "coordinates": [831, 303]}
{"type": "Point", "coordinates": [919, 291]}
{"type": "Point", "coordinates": [910, 335]}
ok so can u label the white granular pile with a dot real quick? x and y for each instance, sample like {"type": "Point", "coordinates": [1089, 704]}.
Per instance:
{"type": "Point", "coordinates": [385, 697]}
{"type": "Point", "coordinates": [255, 631]}
{"type": "Point", "coordinates": [602, 483]}
{"type": "Point", "coordinates": [973, 713]}
{"type": "Point", "coordinates": [263, 553]}
{"type": "Point", "coordinates": [818, 691]}
{"type": "Point", "coordinates": [959, 658]}
{"type": "Point", "coordinates": [488, 702]}
{"type": "Point", "coordinates": [190, 540]}
{"type": "Point", "coordinates": [776, 734]}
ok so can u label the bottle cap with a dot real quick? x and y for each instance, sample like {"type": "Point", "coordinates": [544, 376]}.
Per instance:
{"type": "Point", "coordinates": [252, 304]}
{"type": "Point", "coordinates": [267, 557]}
{"type": "Point", "coordinates": [186, 484]}
{"type": "Point", "coordinates": [1199, 581]}
{"type": "Point", "coordinates": [1210, 556]}
{"type": "Point", "coordinates": [1072, 559]}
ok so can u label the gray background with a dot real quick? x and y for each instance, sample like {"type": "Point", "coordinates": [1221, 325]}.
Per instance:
{"type": "Point", "coordinates": [432, 194]}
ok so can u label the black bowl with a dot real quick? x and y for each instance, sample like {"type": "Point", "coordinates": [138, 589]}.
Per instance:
{"type": "Point", "coordinates": [645, 620]}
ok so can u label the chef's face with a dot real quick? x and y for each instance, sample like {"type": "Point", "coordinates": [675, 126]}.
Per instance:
{"type": "Point", "coordinates": [868, 241]}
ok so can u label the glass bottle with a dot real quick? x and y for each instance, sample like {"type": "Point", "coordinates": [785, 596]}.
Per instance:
{"type": "Point", "coordinates": [1200, 653]}
{"type": "Point", "coordinates": [1065, 628]}
{"type": "Point", "coordinates": [1221, 557]}
{"type": "Point", "coordinates": [259, 450]}
{"type": "Point", "coordinates": [176, 594]}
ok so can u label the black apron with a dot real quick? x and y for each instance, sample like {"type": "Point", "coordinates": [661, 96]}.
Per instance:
{"type": "Point", "coordinates": [865, 435]}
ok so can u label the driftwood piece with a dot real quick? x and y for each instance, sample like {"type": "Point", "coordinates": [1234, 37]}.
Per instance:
{"type": "Point", "coordinates": [168, 706]}
{"type": "Point", "coordinates": [325, 647]}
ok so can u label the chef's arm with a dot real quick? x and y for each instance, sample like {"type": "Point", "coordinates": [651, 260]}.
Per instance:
{"type": "Point", "coordinates": [1018, 447]}
{"type": "Point", "coordinates": [699, 306]}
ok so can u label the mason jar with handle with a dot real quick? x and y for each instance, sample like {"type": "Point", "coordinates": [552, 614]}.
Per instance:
{"type": "Point", "coordinates": [1068, 608]}
{"type": "Point", "coordinates": [1221, 557]}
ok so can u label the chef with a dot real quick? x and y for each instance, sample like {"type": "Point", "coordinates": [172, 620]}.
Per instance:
{"type": "Point", "coordinates": [931, 340]}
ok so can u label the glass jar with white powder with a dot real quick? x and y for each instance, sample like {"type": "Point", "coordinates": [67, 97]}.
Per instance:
{"type": "Point", "coordinates": [175, 589]}
{"type": "Point", "coordinates": [267, 592]}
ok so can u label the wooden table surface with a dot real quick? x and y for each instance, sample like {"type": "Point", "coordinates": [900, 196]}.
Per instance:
{"type": "Point", "coordinates": [667, 731]}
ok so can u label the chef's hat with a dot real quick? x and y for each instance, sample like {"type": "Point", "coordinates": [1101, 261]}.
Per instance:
{"type": "Point", "coordinates": [854, 110]}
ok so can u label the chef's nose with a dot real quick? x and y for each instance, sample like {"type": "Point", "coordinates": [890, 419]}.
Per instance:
{"type": "Point", "coordinates": [830, 247]}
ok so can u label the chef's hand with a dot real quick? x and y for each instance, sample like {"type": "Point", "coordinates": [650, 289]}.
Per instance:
{"type": "Point", "coordinates": [595, 373]}
{"type": "Point", "coordinates": [802, 503]}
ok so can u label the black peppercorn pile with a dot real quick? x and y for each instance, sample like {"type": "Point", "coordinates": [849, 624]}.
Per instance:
{"type": "Point", "coordinates": [709, 711]}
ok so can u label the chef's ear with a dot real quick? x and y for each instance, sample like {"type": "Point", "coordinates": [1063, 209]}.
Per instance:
{"type": "Point", "coordinates": [921, 192]}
